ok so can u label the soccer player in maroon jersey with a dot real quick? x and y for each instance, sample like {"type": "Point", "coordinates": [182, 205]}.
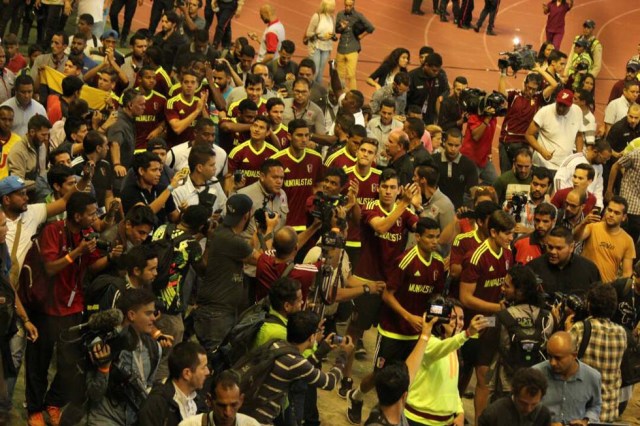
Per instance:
{"type": "Point", "coordinates": [254, 86]}
{"type": "Point", "coordinates": [386, 224]}
{"type": "Point", "coordinates": [302, 170]}
{"type": "Point", "coordinates": [418, 274]}
{"type": "Point", "coordinates": [480, 291]}
{"type": "Point", "coordinates": [279, 134]}
{"type": "Point", "coordinates": [153, 58]}
{"type": "Point", "coordinates": [249, 156]}
{"type": "Point", "coordinates": [151, 123]}
{"type": "Point", "coordinates": [235, 130]}
{"type": "Point", "coordinates": [346, 156]}
{"type": "Point", "coordinates": [183, 110]}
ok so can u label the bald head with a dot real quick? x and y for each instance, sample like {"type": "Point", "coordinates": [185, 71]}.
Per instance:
{"type": "Point", "coordinates": [561, 342]}
{"type": "Point", "coordinates": [285, 242]}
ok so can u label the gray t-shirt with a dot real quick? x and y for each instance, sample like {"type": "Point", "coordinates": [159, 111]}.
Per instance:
{"type": "Point", "coordinates": [222, 286]}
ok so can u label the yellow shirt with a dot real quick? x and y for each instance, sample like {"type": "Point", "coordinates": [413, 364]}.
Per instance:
{"type": "Point", "coordinates": [5, 148]}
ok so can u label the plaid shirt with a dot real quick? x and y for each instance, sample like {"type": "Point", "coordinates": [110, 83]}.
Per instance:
{"type": "Point", "coordinates": [604, 353]}
{"type": "Point", "coordinates": [629, 188]}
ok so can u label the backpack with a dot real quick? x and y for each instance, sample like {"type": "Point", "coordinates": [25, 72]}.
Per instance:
{"type": "Point", "coordinates": [165, 250]}
{"type": "Point", "coordinates": [97, 297]}
{"type": "Point", "coordinates": [526, 344]}
{"type": "Point", "coordinates": [253, 368]}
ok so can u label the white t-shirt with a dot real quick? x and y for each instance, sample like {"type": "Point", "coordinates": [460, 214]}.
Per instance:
{"type": "Point", "coordinates": [557, 134]}
{"type": "Point", "coordinates": [241, 420]}
{"type": "Point", "coordinates": [94, 8]}
{"type": "Point", "coordinates": [35, 215]}
{"type": "Point", "coordinates": [178, 158]}
{"type": "Point", "coordinates": [616, 110]}
{"type": "Point", "coordinates": [564, 175]}
{"type": "Point", "coordinates": [189, 193]}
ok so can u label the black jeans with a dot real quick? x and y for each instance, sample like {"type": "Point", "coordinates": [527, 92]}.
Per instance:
{"type": "Point", "coordinates": [466, 13]}
{"type": "Point", "coordinates": [12, 12]}
{"type": "Point", "coordinates": [27, 21]}
{"type": "Point", "coordinates": [54, 21]}
{"type": "Point", "coordinates": [38, 357]}
{"type": "Point", "coordinates": [157, 9]}
{"type": "Point", "coordinates": [633, 227]}
{"type": "Point", "coordinates": [222, 35]}
{"type": "Point", "coordinates": [491, 9]}
{"type": "Point", "coordinates": [455, 8]}
{"type": "Point", "coordinates": [129, 9]}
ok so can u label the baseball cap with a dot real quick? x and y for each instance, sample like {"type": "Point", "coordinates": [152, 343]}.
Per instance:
{"type": "Point", "coordinates": [589, 23]}
{"type": "Point", "coordinates": [237, 206]}
{"type": "Point", "coordinates": [582, 43]}
{"type": "Point", "coordinates": [565, 97]}
{"type": "Point", "coordinates": [11, 184]}
{"type": "Point", "coordinates": [156, 143]}
{"type": "Point", "coordinates": [109, 34]}
{"type": "Point", "coordinates": [633, 65]}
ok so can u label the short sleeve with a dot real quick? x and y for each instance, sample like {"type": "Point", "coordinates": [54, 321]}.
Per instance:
{"type": "Point", "coordinates": [50, 244]}
{"type": "Point", "coordinates": [470, 274]}
{"type": "Point", "coordinates": [369, 215]}
{"type": "Point", "coordinates": [271, 42]}
{"type": "Point", "coordinates": [171, 114]}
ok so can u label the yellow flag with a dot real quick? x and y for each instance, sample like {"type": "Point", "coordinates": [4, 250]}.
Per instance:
{"type": "Point", "coordinates": [96, 98]}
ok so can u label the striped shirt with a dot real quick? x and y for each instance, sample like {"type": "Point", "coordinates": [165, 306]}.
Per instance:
{"type": "Point", "coordinates": [287, 369]}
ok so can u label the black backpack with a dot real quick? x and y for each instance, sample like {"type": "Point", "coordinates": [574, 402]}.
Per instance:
{"type": "Point", "coordinates": [526, 346]}
{"type": "Point", "coordinates": [165, 250]}
{"type": "Point", "coordinates": [97, 295]}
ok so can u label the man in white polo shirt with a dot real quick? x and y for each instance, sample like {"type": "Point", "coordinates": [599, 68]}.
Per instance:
{"type": "Point", "coordinates": [559, 127]}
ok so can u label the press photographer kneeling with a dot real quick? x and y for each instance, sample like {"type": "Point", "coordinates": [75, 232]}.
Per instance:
{"type": "Point", "coordinates": [120, 375]}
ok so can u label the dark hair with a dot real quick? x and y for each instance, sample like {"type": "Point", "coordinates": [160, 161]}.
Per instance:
{"type": "Point", "coordinates": [526, 284]}
{"type": "Point", "coordinates": [247, 104]}
{"type": "Point", "coordinates": [426, 224]}
{"type": "Point", "coordinates": [392, 60]}
{"type": "Point", "coordinates": [71, 84]}
{"type": "Point", "coordinates": [522, 151]}
{"type": "Point", "coordinates": [10, 39]}
{"type": "Point", "coordinates": [358, 130]}
{"type": "Point", "coordinates": [140, 215]}
{"type": "Point", "coordinates": [55, 153]}
{"type": "Point", "coordinates": [308, 63]}
{"type": "Point", "coordinates": [172, 16]}
{"type": "Point", "coordinates": [87, 18]}
{"type": "Point", "coordinates": [434, 59]}
{"type": "Point", "coordinates": [188, 71]}
{"type": "Point", "coordinates": [248, 50]}
{"type": "Point", "coordinates": [196, 217]}
{"type": "Point", "coordinates": [603, 301]}
{"type": "Point", "coordinates": [585, 96]}
{"type": "Point", "coordinates": [591, 172]}
{"type": "Point", "coordinates": [602, 145]}
{"type": "Point", "coordinates": [72, 125]}
{"type": "Point", "coordinates": [133, 299]}
{"type": "Point", "coordinates": [415, 125]}
{"type": "Point", "coordinates": [146, 68]}
{"type": "Point", "coordinates": [143, 160]}
{"type": "Point", "coordinates": [271, 102]}
{"type": "Point", "coordinates": [431, 174]}
{"type": "Point", "coordinates": [139, 256]}
{"type": "Point", "coordinates": [534, 77]}
{"type": "Point", "coordinates": [359, 97]}
{"type": "Point", "coordinates": [301, 325]}
{"type": "Point", "coordinates": [59, 174]}
{"type": "Point", "coordinates": [228, 379]}
{"type": "Point", "coordinates": [452, 132]}
{"type": "Point", "coordinates": [288, 46]}
{"type": "Point", "coordinates": [501, 221]}
{"type": "Point", "coordinates": [296, 124]}
{"type": "Point", "coordinates": [484, 209]}
{"type": "Point", "coordinates": [77, 62]}
{"type": "Point", "coordinates": [345, 121]}
{"type": "Point", "coordinates": [65, 37]}
{"type": "Point", "coordinates": [78, 203]}
{"type": "Point", "coordinates": [461, 79]}
{"type": "Point", "coordinates": [23, 80]}
{"type": "Point", "coordinates": [184, 355]}
{"type": "Point", "coordinates": [530, 379]}
{"type": "Point", "coordinates": [541, 173]}
{"type": "Point", "coordinates": [630, 83]}
{"type": "Point", "coordinates": [156, 143]}
{"type": "Point", "coordinates": [392, 381]}
{"type": "Point", "coordinates": [201, 123]}
{"type": "Point", "coordinates": [618, 199]}
{"type": "Point", "coordinates": [283, 290]}
{"type": "Point", "coordinates": [135, 37]}
{"type": "Point", "coordinates": [200, 35]}
{"type": "Point", "coordinates": [388, 102]}
{"type": "Point", "coordinates": [155, 54]}
{"type": "Point", "coordinates": [200, 154]}
{"type": "Point", "coordinates": [339, 172]}
{"type": "Point", "coordinates": [128, 96]}
{"type": "Point", "coordinates": [38, 122]}
{"type": "Point", "coordinates": [402, 78]}
{"type": "Point", "coordinates": [268, 164]}
{"type": "Point", "coordinates": [540, 58]}
{"type": "Point", "coordinates": [546, 209]}
{"type": "Point", "coordinates": [562, 232]}
{"type": "Point", "coordinates": [370, 141]}
{"type": "Point", "coordinates": [389, 174]}
{"type": "Point", "coordinates": [265, 120]}
{"type": "Point", "coordinates": [32, 49]}
{"type": "Point", "coordinates": [556, 55]}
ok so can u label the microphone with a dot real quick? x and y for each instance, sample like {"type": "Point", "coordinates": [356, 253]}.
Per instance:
{"type": "Point", "coordinates": [101, 321]}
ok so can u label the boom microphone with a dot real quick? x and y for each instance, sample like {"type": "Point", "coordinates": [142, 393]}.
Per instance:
{"type": "Point", "coordinates": [101, 321]}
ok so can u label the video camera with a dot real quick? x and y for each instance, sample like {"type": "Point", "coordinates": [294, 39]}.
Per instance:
{"type": "Point", "coordinates": [324, 207]}
{"type": "Point", "coordinates": [569, 303]}
{"type": "Point", "coordinates": [441, 308]}
{"type": "Point", "coordinates": [101, 245]}
{"type": "Point", "coordinates": [476, 101]}
{"type": "Point", "coordinates": [521, 58]}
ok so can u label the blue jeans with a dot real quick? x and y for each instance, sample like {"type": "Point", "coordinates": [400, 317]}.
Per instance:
{"type": "Point", "coordinates": [320, 58]}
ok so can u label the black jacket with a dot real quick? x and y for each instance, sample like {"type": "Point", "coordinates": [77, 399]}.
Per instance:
{"type": "Point", "coordinates": [161, 410]}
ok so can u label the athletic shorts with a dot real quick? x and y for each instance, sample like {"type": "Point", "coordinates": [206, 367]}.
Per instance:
{"type": "Point", "coordinates": [366, 312]}
{"type": "Point", "coordinates": [389, 350]}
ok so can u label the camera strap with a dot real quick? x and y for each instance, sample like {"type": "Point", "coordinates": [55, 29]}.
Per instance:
{"type": "Point", "coordinates": [586, 336]}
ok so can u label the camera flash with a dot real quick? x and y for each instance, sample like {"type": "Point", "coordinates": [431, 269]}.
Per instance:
{"type": "Point", "coordinates": [516, 41]}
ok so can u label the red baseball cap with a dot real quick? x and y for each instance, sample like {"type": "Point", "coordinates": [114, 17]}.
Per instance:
{"type": "Point", "coordinates": [565, 97]}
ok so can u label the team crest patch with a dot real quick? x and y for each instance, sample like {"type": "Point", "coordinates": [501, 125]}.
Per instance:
{"type": "Point", "coordinates": [309, 168]}
{"type": "Point", "coordinates": [374, 187]}
{"type": "Point", "coordinates": [399, 222]}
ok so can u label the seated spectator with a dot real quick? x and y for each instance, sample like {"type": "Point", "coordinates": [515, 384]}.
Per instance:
{"type": "Point", "coordinates": [573, 392]}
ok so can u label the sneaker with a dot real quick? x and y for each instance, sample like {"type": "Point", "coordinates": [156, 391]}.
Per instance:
{"type": "Point", "coordinates": [36, 419]}
{"type": "Point", "coordinates": [417, 12]}
{"type": "Point", "coordinates": [354, 409]}
{"type": "Point", "coordinates": [476, 29]}
{"type": "Point", "coordinates": [361, 352]}
{"type": "Point", "coordinates": [491, 33]}
{"type": "Point", "coordinates": [464, 27]}
{"type": "Point", "coordinates": [54, 415]}
{"type": "Point", "coordinates": [345, 386]}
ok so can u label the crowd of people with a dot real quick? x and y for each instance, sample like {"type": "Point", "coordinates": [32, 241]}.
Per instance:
{"type": "Point", "coordinates": [187, 231]}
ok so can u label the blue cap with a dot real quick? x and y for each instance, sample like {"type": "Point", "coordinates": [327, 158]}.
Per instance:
{"type": "Point", "coordinates": [11, 184]}
{"type": "Point", "coordinates": [109, 34]}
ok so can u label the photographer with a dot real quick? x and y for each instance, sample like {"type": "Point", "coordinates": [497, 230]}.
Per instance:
{"type": "Point", "coordinates": [120, 378]}
{"type": "Point", "coordinates": [478, 138]}
{"type": "Point", "coordinates": [434, 363]}
{"type": "Point", "coordinates": [69, 251]}
{"type": "Point", "coordinates": [521, 107]}
{"type": "Point", "coordinates": [522, 205]}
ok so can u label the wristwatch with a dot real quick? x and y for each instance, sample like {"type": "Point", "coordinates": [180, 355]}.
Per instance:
{"type": "Point", "coordinates": [366, 289]}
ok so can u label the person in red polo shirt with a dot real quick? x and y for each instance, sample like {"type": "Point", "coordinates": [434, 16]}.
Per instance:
{"type": "Point", "coordinates": [68, 249]}
{"type": "Point", "coordinates": [531, 246]}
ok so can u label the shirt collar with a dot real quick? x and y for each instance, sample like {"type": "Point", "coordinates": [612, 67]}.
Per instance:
{"type": "Point", "coordinates": [181, 398]}
{"type": "Point", "coordinates": [444, 158]}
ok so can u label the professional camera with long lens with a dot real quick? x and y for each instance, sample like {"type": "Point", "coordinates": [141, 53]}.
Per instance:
{"type": "Point", "coordinates": [521, 58]}
{"type": "Point", "coordinates": [518, 202]}
{"type": "Point", "coordinates": [260, 215]}
{"type": "Point", "coordinates": [439, 307]}
{"type": "Point", "coordinates": [568, 303]}
{"type": "Point", "coordinates": [324, 207]}
{"type": "Point", "coordinates": [476, 101]}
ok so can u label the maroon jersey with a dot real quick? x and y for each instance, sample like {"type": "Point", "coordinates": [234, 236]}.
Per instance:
{"type": "Point", "coordinates": [153, 115]}
{"type": "Point", "coordinates": [282, 135]}
{"type": "Point", "coordinates": [230, 140]}
{"type": "Point", "coordinates": [367, 193]}
{"type": "Point", "coordinates": [176, 89]}
{"type": "Point", "coordinates": [234, 108]}
{"type": "Point", "coordinates": [414, 281]}
{"type": "Point", "coordinates": [163, 82]}
{"type": "Point", "coordinates": [487, 269]}
{"type": "Point", "coordinates": [268, 271]}
{"type": "Point", "coordinates": [377, 250]}
{"type": "Point", "coordinates": [300, 174]}
{"type": "Point", "coordinates": [178, 108]}
{"type": "Point", "coordinates": [247, 159]}
{"type": "Point", "coordinates": [341, 158]}
{"type": "Point", "coordinates": [462, 245]}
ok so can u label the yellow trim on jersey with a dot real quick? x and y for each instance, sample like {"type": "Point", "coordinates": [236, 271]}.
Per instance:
{"type": "Point", "coordinates": [177, 86]}
{"type": "Point", "coordinates": [338, 153]}
{"type": "Point", "coordinates": [475, 258]}
{"type": "Point", "coordinates": [236, 103]}
{"type": "Point", "coordinates": [287, 152]}
{"type": "Point", "coordinates": [281, 126]}
{"type": "Point", "coordinates": [173, 100]}
{"type": "Point", "coordinates": [153, 92]}
{"type": "Point", "coordinates": [474, 234]}
{"type": "Point", "coordinates": [299, 228]}
{"type": "Point", "coordinates": [361, 178]}
{"type": "Point", "coordinates": [164, 75]}
{"type": "Point", "coordinates": [266, 145]}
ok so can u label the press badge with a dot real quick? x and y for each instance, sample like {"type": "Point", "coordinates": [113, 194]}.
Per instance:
{"type": "Point", "coordinates": [71, 297]}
